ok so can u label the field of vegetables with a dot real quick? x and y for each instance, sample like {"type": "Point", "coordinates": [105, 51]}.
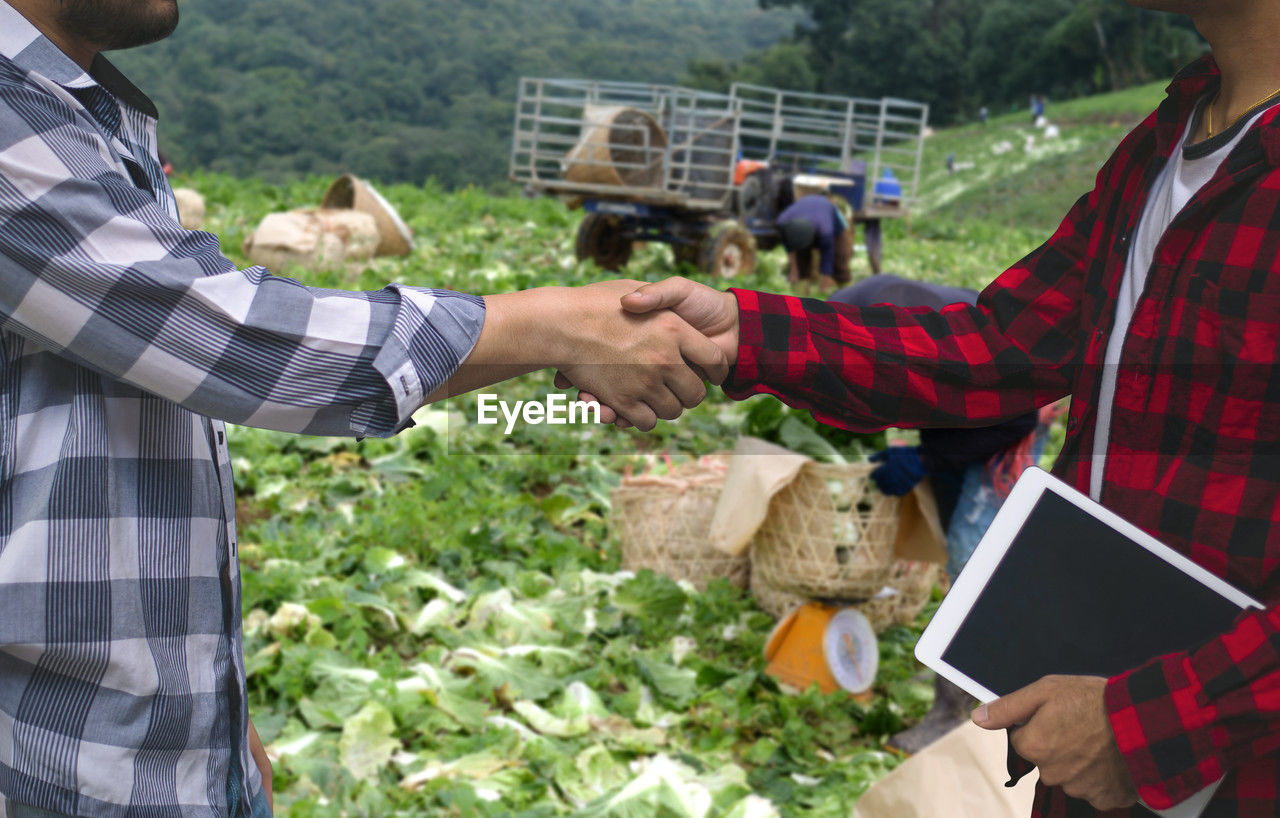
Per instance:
{"type": "Point", "coordinates": [436, 624]}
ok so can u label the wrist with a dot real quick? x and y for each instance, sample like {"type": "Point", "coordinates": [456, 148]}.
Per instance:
{"type": "Point", "coordinates": [532, 327]}
{"type": "Point", "coordinates": [733, 335]}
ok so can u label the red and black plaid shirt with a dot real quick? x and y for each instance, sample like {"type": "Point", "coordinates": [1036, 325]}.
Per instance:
{"type": "Point", "coordinates": [1194, 452]}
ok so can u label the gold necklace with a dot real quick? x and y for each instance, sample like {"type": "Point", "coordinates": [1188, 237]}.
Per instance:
{"type": "Point", "coordinates": [1214, 101]}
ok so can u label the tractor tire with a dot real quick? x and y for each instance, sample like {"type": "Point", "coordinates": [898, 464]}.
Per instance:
{"type": "Point", "coordinates": [728, 251]}
{"type": "Point", "coordinates": [601, 239]}
{"type": "Point", "coordinates": [751, 199]}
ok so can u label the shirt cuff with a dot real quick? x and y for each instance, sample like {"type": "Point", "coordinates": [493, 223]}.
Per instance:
{"type": "Point", "coordinates": [765, 323]}
{"type": "Point", "coordinates": [433, 334]}
{"type": "Point", "coordinates": [1161, 719]}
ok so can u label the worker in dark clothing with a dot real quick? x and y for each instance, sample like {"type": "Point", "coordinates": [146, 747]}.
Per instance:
{"type": "Point", "coordinates": [815, 223]}
{"type": "Point", "coordinates": [970, 471]}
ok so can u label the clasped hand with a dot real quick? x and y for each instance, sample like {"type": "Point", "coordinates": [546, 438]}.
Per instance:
{"type": "Point", "coordinates": [645, 350]}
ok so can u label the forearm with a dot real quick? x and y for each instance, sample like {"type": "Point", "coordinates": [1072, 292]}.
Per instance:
{"type": "Point", "coordinates": [961, 366]}
{"type": "Point", "coordinates": [95, 272]}
{"type": "Point", "coordinates": [523, 332]}
{"type": "Point", "coordinates": [245, 346]}
{"type": "Point", "coordinates": [876, 367]}
{"type": "Point", "coordinates": [263, 763]}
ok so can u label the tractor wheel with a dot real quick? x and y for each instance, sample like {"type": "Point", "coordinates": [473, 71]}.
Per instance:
{"type": "Point", "coordinates": [601, 239]}
{"type": "Point", "coordinates": [752, 197]}
{"type": "Point", "coordinates": [728, 251]}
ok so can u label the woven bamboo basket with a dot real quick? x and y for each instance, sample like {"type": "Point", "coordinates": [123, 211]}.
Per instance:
{"type": "Point", "coordinates": [829, 534]}
{"type": "Point", "coordinates": [664, 524]}
{"type": "Point", "coordinates": [773, 601]}
{"type": "Point", "coordinates": [778, 604]}
{"type": "Point", "coordinates": [913, 582]}
{"type": "Point", "coordinates": [620, 146]}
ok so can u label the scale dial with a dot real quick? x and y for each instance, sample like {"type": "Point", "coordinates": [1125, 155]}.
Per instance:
{"type": "Point", "coordinates": [849, 644]}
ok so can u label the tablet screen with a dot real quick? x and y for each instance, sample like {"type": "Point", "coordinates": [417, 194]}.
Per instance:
{"type": "Point", "coordinates": [1073, 595]}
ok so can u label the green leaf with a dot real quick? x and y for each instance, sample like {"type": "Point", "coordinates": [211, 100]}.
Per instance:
{"type": "Point", "coordinates": [802, 439]}
{"type": "Point", "coordinates": [368, 742]}
{"type": "Point", "coordinates": [650, 596]}
{"type": "Point", "coordinates": [675, 683]}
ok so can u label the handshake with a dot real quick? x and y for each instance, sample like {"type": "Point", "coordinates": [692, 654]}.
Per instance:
{"type": "Point", "coordinates": [643, 351]}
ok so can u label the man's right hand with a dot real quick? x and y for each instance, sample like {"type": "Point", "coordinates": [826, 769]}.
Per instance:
{"type": "Point", "coordinates": [642, 364]}
{"type": "Point", "coordinates": [707, 310]}
{"type": "Point", "coordinates": [711, 312]}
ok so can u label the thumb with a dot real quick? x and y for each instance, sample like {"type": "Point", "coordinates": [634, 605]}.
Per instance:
{"type": "Point", "coordinates": [1009, 711]}
{"type": "Point", "coordinates": [669, 292]}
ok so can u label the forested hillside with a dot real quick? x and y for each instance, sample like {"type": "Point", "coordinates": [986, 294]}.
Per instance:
{"type": "Point", "coordinates": [402, 90]}
{"type": "Point", "coordinates": [959, 55]}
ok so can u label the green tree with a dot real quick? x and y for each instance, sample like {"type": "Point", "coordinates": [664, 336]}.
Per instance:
{"type": "Point", "coordinates": [958, 54]}
{"type": "Point", "coordinates": [410, 89]}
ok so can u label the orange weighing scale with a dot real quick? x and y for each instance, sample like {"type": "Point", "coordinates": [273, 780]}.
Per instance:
{"type": "Point", "coordinates": [825, 644]}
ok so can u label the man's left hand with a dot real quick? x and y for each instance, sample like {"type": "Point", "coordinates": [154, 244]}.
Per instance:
{"type": "Point", "coordinates": [1060, 724]}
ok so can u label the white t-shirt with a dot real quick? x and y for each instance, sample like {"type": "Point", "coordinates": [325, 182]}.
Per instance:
{"type": "Point", "coordinates": [1189, 169]}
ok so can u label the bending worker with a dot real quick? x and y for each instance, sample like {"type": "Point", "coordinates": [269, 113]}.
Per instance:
{"type": "Point", "coordinates": [969, 469]}
{"type": "Point", "coordinates": [815, 223]}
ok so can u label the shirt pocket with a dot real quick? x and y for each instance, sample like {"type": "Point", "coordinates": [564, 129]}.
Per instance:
{"type": "Point", "coordinates": [1237, 382]}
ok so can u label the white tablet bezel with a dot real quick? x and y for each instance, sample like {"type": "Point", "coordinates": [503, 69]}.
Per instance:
{"type": "Point", "coordinates": [991, 550]}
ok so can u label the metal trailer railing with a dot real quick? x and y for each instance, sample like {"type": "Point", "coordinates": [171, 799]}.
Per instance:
{"type": "Point", "coordinates": [817, 133]}
{"type": "Point", "coordinates": [703, 172]}
{"type": "Point", "coordinates": [657, 144]}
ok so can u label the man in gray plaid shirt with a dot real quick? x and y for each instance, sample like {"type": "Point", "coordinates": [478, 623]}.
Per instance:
{"type": "Point", "coordinates": [125, 343]}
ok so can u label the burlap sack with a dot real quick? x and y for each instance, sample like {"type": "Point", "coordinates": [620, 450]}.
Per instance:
{"type": "Point", "coordinates": [315, 239]}
{"type": "Point", "coordinates": [191, 209]}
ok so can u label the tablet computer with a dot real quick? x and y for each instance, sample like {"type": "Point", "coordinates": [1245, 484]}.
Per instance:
{"type": "Point", "coordinates": [1060, 584]}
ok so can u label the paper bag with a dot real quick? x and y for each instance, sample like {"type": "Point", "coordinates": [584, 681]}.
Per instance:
{"type": "Point", "coordinates": [961, 775]}
{"type": "Point", "coordinates": [920, 535]}
{"type": "Point", "coordinates": [757, 471]}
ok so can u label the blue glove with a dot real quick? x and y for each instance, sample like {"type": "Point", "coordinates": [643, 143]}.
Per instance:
{"type": "Point", "coordinates": [902, 468]}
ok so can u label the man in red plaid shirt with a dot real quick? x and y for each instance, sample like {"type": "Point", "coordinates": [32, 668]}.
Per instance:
{"type": "Point", "coordinates": [1156, 307]}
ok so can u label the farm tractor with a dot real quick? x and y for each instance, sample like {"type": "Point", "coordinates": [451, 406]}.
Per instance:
{"type": "Point", "coordinates": [708, 173]}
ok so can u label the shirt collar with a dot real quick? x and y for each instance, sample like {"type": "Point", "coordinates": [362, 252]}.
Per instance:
{"type": "Point", "coordinates": [31, 51]}
{"type": "Point", "coordinates": [1190, 85]}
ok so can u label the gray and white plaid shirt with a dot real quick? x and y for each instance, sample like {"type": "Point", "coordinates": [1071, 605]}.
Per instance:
{"type": "Point", "coordinates": [122, 338]}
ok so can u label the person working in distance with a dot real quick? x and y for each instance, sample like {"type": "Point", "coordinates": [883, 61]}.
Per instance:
{"type": "Point", "coordinates": [814, 224]}
{"type": "Point", "coordinates": [969, 470]}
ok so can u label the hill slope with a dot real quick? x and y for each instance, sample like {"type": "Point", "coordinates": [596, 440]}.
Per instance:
{"type": "Point", "coordinates": [400, 90]}
{"type": "Point", "coordinates": [1023, 175]}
